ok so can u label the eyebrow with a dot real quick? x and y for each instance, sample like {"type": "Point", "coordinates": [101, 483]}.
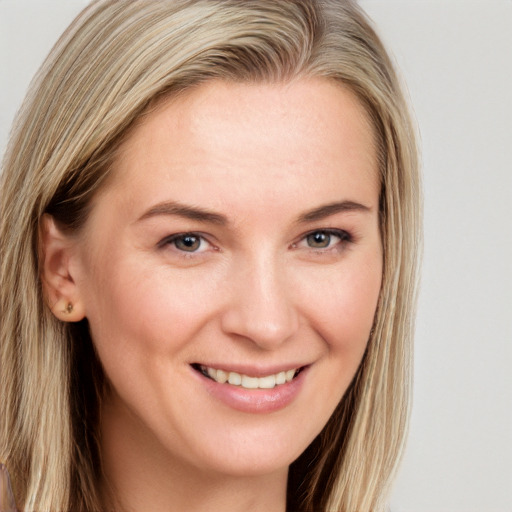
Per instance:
{"type": "Point", "coordinates": [185, 211]}
{"type": "Point", "coordinates": [202, 215]}
{"type": "Point", "coordinates": [327, 210]}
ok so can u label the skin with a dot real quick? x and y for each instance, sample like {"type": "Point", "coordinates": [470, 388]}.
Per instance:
{"type": "Point", "coordinates": [255, 291]}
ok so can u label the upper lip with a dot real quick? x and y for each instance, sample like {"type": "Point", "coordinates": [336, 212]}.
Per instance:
{"type": "Point", "coordinates": [253, 370]}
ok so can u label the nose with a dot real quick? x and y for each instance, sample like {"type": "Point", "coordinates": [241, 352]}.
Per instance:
{"type": "Point", "coordinates": [261, 308]}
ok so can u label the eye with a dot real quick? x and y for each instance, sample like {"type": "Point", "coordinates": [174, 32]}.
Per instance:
{"type": "Point", "coordinates": [325, 239]}
{"type": "Point", "coordinates": [186, 242]}
{"type": "Point", "coordinates": [319, 240]}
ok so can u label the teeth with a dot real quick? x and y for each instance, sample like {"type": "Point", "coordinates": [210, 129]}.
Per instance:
{"type": "Point", "coordinates": [222, 376]}
{"type": "Point", "coordinates": [234, 378]}
{"type": "Point", "coordinates": [237, 379]}
{"type": "Point", "coordinates": [267, 382]}
{"type": "Point", "coordinates": [250, 382]}
{"type": "Point", "coordinates": [281, 378]}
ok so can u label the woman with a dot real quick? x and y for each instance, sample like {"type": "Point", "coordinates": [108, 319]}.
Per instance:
{"type": "Point", "coordinates": [209, 230]}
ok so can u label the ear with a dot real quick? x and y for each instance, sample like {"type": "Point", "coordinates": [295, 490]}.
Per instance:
{"type": "Point", "coordinates": [57, 255]}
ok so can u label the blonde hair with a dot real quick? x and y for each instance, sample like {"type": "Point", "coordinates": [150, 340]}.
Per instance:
{"type": "Point", "coordinates": [115, 60]}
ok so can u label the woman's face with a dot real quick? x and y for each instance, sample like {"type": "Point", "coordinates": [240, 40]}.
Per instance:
{"type": "Point", "coordinates": [237, 239]}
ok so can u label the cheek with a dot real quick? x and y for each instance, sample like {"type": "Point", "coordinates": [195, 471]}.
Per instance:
{"type": "Point", "coordinates": [146, 310]}
{"type": "Point", "coordinates": [344, 307]}
{"type": "Point", "coordinates": [341, 315]}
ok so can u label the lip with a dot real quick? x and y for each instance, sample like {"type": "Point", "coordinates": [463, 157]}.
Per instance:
{"type": "Point", "coordinates": [255, 401]}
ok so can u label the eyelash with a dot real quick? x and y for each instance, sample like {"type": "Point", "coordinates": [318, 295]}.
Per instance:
{"type": "Point", "coordinates": [344, 237]}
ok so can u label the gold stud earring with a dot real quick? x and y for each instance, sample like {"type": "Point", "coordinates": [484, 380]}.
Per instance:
{"type": "Point", "coordinates": [69, 308]}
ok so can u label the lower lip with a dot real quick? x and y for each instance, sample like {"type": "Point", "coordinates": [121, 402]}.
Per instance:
{"type": "Point", "coordinates": [254, 400]}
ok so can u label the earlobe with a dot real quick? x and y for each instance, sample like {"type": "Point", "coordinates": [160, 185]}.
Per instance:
{"type": "Point", "coordinates": [68, 312]}
{"type": "Point", "coordinates": [56, 254]}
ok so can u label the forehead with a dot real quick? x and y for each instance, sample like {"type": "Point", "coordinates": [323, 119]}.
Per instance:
{"type": "Point", "coordinates": [317, 102]}
{"type": "Point", "coordinates": [304, 132]}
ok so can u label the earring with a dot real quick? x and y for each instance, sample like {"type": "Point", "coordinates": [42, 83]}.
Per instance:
{"type": "Point", "coordinates": [69, 308]}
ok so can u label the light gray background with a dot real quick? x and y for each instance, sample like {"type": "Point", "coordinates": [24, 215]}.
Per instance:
{"type": "Point", "coordinates": [456, 57]}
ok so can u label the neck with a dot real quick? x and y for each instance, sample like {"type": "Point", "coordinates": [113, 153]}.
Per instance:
{"type": "Point", "coordinates": [140, 476]}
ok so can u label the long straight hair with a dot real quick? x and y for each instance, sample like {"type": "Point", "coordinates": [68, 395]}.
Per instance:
{"type": "Point", "coordinates": [116, 59]}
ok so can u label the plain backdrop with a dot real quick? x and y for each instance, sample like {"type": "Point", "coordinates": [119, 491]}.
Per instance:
{"type": "Point", "coordinates": [456, 58]}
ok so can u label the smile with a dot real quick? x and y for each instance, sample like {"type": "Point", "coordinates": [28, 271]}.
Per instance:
{"type": "Point", "coordinates": [246, 381]}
